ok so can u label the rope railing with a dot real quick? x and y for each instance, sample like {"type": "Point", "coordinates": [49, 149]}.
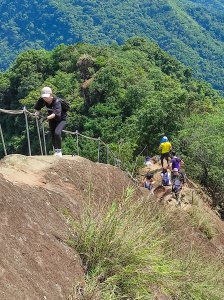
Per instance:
{"type": "Point", "coordinates": [43, 150]}
{"type": "Point", "coordinates": [118, 162]}
{"type": "Point", "coordinates": [100, 142]}
{"type": "Point", "coordinates": [12, 112]}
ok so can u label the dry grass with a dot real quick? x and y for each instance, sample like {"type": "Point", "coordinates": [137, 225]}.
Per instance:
{"type": "Point", "coordinates": [124, 250]}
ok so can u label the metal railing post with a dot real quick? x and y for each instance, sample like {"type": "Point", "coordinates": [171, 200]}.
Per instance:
{"type": "Point", "coordinates": [107, 149]}
{"type": "Point", "coordinates": [98, 156]}
{"type": "Point", "coordinates": [77, 141]}
{"type": "Point", "coordinates": [39, 137]}
{"type": "Point", "coordinates": [44, 140]}
{"type": "Point", "coordinates": [3, 142]}
{"type": "Point", "coordinates": [27, 130]}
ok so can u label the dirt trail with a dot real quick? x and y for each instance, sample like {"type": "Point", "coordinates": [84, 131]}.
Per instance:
{"type": "Point", "coordinates": [192, 195]}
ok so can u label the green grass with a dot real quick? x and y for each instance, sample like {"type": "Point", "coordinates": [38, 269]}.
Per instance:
{"type": "Point", "coordinates": [201, 220]}
{"type": "Point", "coordinates": [123, 250]}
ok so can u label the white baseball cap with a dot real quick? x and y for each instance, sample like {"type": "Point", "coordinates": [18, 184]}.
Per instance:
{"type": "Point", "coordinates": [46, 92]}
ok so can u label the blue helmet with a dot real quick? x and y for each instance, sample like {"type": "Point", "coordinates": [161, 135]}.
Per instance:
{"type": "Point", "coordinates": [164, 139]}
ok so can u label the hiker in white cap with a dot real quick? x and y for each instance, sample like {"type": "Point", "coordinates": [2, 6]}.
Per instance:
{"type": "Point", "coordinates": [56, 116]}
{"type": "Point", "coordinates": [177, 185]}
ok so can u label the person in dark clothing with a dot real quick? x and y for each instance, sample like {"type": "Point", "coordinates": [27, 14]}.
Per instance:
{"type": "Point", "coordinates": [176, 162]}
{"type": "Point", "coordinates": [177, 185]}
{"type": "Point", "coordinates": [56, 116]}
{"type": "Point", "coordinates": [148, 181]}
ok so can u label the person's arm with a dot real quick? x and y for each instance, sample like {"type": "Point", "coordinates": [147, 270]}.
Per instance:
{"type": "Point", "coordinates": [51, 116]}
{"type": "Point", "coordinates": [56, 110]}
{"type": "Point", "coordinates": [39, 105]}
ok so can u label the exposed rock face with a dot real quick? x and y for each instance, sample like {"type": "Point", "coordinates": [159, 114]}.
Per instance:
{"type": "Point", "coordinates": [35, 261]}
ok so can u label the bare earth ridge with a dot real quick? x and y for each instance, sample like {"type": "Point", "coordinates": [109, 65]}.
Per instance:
{"type": "Point", "coordinates": [35, 261]}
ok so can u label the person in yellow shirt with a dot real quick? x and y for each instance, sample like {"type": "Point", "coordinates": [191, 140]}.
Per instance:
{"type": "Point", "coordinates": [165, 147]}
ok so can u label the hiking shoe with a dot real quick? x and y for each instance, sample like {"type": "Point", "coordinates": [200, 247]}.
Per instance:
{"type": "Point", "coordinates": [58, 152]}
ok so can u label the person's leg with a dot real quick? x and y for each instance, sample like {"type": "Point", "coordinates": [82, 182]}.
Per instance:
{"type": "Point", "coordinates": [168, 159]}
{"type": "Point", "coordinates": [178, 198]}
{"type": "Point", "coordinates": [162, 158]}
{"type": "Point", "coordinates": [52, 126]}
{"type": "Point", "coordinates": [57, 134]}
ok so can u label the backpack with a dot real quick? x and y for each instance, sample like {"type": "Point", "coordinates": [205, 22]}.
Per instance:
{"type": "Point", "coordinates": [65, 106]}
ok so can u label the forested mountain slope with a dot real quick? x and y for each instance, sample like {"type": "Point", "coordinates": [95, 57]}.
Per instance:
{"type": "Point", "coordinates": [190, 30]}
{"type": "Point", "coordinates": [129, 95]}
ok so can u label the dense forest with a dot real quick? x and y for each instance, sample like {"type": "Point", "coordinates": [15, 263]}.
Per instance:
{"type": "Point", "coordinates": [192, 31]}
{"type": "Point", "coordinates": [129, 95]}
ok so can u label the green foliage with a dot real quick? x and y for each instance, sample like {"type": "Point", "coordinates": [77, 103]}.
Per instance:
{"type": "Point", "coordinates": [124, 151]}
{"type": "Point", "coordinates": [4, 87]}
{"type": "Point", "coordinates": [202, 145]}
{"type": "Point", "coordinates": [200, 218]}
{"type": "Point", "coordinates": [133, 93]}
{"type": "Point", "coordinates": [192, 31]}
{"type": "Point", "coordinates": [202, 222]}
{"type": "Point", "coordinates": [70, 145]}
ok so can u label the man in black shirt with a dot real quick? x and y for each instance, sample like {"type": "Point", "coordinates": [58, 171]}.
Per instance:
{"type": "Point", "coordinates": [56, 116]}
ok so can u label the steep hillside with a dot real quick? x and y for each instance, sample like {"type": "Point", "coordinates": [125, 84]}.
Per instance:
{"type": "Point", "coordinates": [36, 195]}
{"type": "Point", "coordinates": [36, 262]}
{"type": "Point", "coordinates": [192, 31]}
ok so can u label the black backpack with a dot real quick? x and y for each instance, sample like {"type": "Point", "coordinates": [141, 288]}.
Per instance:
{"type": "Point", "coordinates": [65, 106]}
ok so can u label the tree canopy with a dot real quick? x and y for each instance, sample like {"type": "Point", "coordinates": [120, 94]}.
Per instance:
{"type": "Point", "coordinates": [191, 31]}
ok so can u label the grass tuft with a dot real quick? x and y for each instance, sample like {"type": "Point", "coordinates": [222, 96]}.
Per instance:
{"type": "Point", "coordinates": [202, 221]}
{"type": "Point", "coordinates": [124, 251]}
